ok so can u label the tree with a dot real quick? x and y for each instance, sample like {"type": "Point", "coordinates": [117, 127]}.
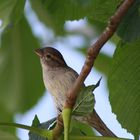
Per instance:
{"type": "Point", "coordinates": [18, 42]}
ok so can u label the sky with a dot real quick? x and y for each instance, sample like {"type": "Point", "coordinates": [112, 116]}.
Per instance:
{"type": "Point", "coordinates": [45, 108]}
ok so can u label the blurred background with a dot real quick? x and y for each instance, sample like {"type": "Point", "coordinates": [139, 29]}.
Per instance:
{"type": "Point", "coordinates": [22, 92]}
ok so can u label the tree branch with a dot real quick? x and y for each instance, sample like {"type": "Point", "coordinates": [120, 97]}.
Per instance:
{"type": "Point", "coordinates": [94, 50]}
{"type": "Point", "coordinates": [92, 53]}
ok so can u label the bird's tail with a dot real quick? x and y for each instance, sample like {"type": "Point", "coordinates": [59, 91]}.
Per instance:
{"type": "Point", "coordinates": [95, 121]}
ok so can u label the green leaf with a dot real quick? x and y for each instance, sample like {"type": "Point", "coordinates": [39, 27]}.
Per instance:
{"type": "Point", "coordinates": [124, 88]}
{"type": "Point", "coordinates": [45, 125]}
{"type": "Point", "coordinates": [103, 10]}
{"type": "Point", "coordinates": [40, 9]}
{"type": "Point", "coordinates": [34, 136]}
{"type": "Point", "coordinates": [21, 81]}
{"type": "Point", "coordinates": [78, 128]}
{"type": "Point", "coordinates": [7, 136]}
{"type": "Point", "coordinates": [85, 101]}
{"type": "Point", "coordinates": [55, 14]}
{"type": "Point", "coordinates": [130, 25]}
{"type": "Point", "coordinates": [11, 11]}
{"type": "Point", "coordinates": [36, 121]}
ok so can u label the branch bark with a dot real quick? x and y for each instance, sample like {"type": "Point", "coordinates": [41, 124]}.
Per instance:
{"type": "Point", "coordinates": [93, 52]}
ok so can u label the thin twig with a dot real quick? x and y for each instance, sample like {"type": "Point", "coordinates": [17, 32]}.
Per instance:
{"type": "Point", "coordinates": [58, 128]}
{"type": "Point", "coordinates": [93, 52]}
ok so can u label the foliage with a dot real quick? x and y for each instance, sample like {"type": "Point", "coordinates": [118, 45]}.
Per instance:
{"type": "Point", "coordinates": [125, 96]}
{"type": "Point", "coordinates": [85, 101]}
{"type": "Point", "coordinates": [129, 27]}
{"type": "Point", "coordinates": [18, 77]}
{"type": "Point", "coordinates": [20, 73]}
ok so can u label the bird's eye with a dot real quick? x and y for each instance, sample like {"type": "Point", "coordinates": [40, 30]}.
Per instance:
{"type": "Point", "coordinates": [48, 57]}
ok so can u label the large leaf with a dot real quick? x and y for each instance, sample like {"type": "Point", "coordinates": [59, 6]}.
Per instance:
{"type": "Point", "coordinates": [56, 13]}
{"type": "Point", "coordinates": [11, 11]}
{"type": "Point", "coordinates": [130, 26]}
{"type": "Point", "coordinates": [103, 10]}
{"type": "Point", "coordinates": [21, 82]}
{"type": "Point", "coordinates": [124, 88]}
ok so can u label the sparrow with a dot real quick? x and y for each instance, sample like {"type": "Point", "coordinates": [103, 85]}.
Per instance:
{"type": "Point", "coordinates": [58, 78]}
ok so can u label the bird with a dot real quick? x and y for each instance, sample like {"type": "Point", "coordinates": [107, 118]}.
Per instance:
{"type": "Point", "coordinates": [58, 78]}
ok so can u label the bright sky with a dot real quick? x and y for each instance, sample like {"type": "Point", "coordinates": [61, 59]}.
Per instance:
{"type": "Point", "coordinates": [45, 109]}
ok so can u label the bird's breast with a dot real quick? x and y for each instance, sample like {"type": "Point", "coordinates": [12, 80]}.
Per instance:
{"type": "Point", "coordinates": [58, 82]}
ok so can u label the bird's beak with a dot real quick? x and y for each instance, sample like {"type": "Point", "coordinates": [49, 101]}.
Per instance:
{"type": "Point", "coordinates": [39, 52]}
